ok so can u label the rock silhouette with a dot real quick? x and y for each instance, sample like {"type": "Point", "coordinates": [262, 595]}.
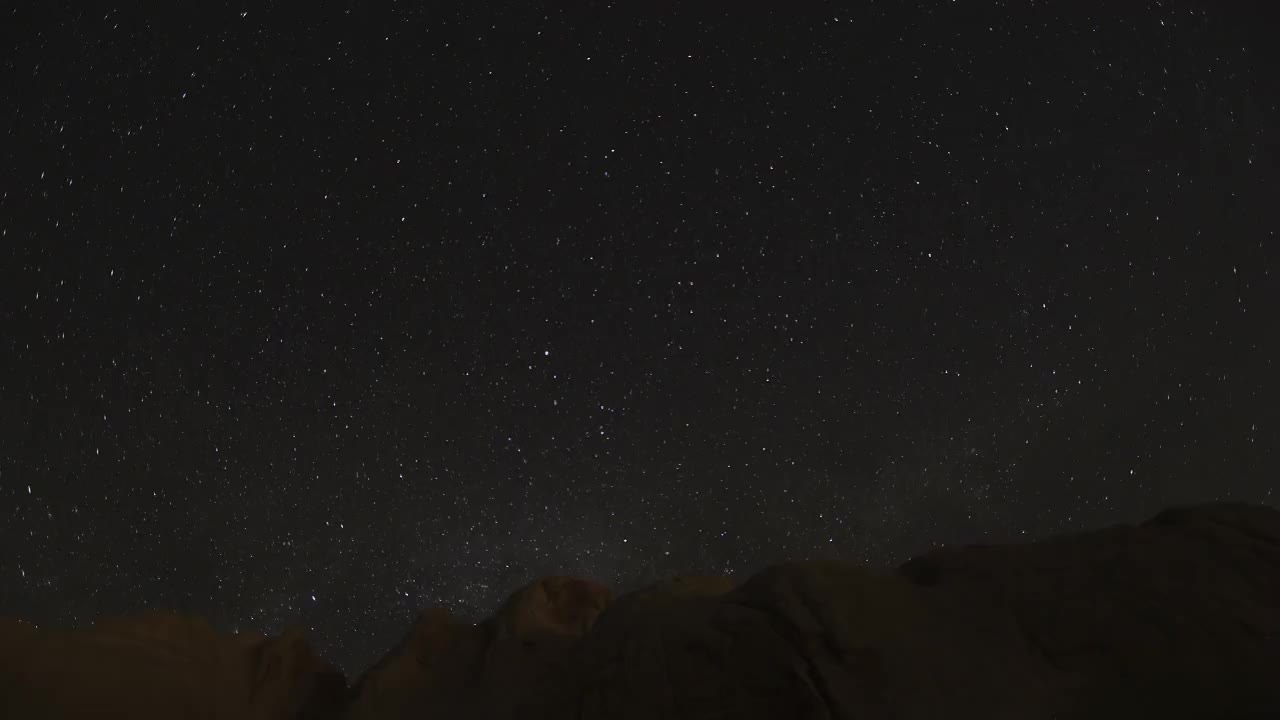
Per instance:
{"type": "Point", "coordinates": [1178, 617]}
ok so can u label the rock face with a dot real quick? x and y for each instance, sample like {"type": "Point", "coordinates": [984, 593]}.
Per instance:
{"type": "Point", "coordinates": [1176, 618]}
{"type": "Point", "coordinates": [161, 665]}
{"type": "Point", "coordinates": [1179, 617]}
{"type": "Point", "coordinates": [449, 669]}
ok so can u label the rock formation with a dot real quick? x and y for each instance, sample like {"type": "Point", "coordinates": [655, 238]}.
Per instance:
{"type": "Point", "coordinates": [162, 665]}
{"type": "Point", "coordinates": [1176, 618]}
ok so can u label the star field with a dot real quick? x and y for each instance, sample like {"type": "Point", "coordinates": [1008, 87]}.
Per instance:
{"type": "Point", "coordinates": [326, 318]}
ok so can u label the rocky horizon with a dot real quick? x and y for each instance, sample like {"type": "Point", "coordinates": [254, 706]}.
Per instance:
{"type": "Point", "coordinates": [1178, 616]}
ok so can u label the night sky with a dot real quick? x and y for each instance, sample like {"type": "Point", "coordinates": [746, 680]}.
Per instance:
{"type": "Point", "coordinates": [327, 317]}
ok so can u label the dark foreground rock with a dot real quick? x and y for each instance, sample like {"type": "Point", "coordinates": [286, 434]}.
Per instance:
{"type": "Point", "coordinates": [161, 665]}
{"type": "Point", "coordinates": [1176, 618]}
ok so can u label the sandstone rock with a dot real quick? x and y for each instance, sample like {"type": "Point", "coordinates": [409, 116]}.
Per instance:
{"type": "Point", "coordinates": [1178, 617]}
{"type": "Point", "coordinates": [1168, 619]}
{"type": "Point", "coordinates": [431, 669]}
{"type": "Point", "coordinates": [553, 606]}
{"type": "Point", "coordinates": [162, 665]}
{"type": "Point", "coordinates": [451, 669]}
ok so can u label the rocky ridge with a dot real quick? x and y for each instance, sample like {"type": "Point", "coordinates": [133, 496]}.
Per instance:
{"type": "Point", "coordinates": [1178, 617]}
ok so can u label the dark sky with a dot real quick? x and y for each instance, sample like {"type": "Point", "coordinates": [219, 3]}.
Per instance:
{"type": "Point", "coordinates": [327, 317]}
